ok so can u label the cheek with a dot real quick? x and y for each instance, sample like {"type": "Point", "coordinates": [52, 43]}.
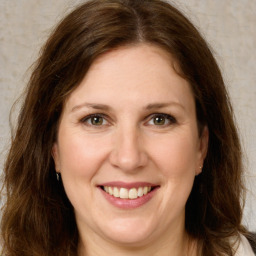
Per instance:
{"type": "Point", "coordinates": [176, 155]}
{"type": "Point", "coordinates": [80, 160]}
{"type": "Point", "coordinates": [176, 159]}
{"type": "Point", "coordinates": [80, 155]}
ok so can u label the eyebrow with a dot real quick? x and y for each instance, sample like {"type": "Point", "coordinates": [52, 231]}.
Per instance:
{"type": "Point", "coordinates": [163, 105]}
{"type": "Point", "coordinates": [106, 107]}
{"type": "Point", "coordinates": [91, 105]}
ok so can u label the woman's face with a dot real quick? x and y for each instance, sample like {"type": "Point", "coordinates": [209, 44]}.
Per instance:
{"type": "Point", "coordinates": [130, 129]}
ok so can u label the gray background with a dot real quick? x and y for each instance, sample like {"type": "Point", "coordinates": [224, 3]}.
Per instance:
{"type": "Point", "coordinates": [228, 25]}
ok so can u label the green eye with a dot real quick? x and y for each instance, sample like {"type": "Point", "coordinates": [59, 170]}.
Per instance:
{"type": "Point", "coordinates": [96, 120]}
{"type": "Point", "coordinates": [159, 120]}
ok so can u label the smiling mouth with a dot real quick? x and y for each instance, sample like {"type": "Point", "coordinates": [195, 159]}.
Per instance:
{"type": "Point", "coordinates": [124, 193]}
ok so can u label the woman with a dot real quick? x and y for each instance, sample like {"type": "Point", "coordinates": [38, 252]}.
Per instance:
{"type": "Point", "coordinates": [125, 142]}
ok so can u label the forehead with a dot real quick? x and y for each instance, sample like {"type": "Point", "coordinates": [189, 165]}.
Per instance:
{"type": "Point", "coordinates": [142, 72]}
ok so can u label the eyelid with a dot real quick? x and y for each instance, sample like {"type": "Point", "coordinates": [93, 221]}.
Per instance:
{"type": "Point", "coordinates": [87, 117]}
{"type": "Point", "coordinates": [171, 119]}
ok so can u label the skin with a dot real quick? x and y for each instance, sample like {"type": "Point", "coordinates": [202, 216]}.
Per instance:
{"type": "Point", "coordinates": [128, 144]}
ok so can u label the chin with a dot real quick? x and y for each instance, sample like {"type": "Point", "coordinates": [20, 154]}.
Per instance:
{"type": "Point", "coordinates": [129, 232]}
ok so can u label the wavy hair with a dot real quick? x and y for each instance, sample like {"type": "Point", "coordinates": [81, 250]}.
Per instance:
{"type": "Point", "coordinates": [38, 218]}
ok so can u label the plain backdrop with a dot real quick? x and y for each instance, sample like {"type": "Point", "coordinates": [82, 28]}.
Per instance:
{"type": "Point", "coordinates": [228, 25]}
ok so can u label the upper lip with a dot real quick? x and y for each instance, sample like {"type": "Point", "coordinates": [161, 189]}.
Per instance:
{"type": "Point", "coordinates": [121, 184]}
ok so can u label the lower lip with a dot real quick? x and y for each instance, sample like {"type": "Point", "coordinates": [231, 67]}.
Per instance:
{"type": "Point", "coordinates": [129, 203]}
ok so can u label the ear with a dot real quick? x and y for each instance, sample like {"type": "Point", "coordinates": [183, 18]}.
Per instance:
{"type": "Point", "coordinates": [203, 148]}
{"type": "Point", "coordinates": [55, 156]}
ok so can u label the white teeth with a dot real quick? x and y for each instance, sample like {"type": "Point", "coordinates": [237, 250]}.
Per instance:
{"type": "Point", "coordinates": [125, 193]}
{"type": "Point", "coordinates": [140, 191]}
{"type": "Point", "coordinates": [116, 192]}
{"type": "Point", "coordinates": [110, 191]}
{"type": "Point", "coordinates": [133, 193]}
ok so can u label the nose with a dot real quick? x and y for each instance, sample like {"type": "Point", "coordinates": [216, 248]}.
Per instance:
{"type": "Point", "coordinates": [128, 152]}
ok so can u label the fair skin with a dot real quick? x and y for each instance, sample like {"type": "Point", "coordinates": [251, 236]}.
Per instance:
{"type": "Point", "coordinates": [130, 124]}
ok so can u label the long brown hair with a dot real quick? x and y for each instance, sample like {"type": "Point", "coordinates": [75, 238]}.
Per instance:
{"type": "Point", "coordinates": [38, 218]}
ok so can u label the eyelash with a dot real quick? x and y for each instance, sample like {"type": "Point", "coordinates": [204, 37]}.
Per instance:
{"type": "Point", "coordinates": [85, 120]}
{"type": "Point", "coordinates": [171, 119]}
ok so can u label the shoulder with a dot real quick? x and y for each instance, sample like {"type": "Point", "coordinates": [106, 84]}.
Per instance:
{"type": "Point", "coordinates": [244, 248]}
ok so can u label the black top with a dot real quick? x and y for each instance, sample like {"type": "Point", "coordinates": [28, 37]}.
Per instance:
{"type": "Point", "coordinates": [252, 241]}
